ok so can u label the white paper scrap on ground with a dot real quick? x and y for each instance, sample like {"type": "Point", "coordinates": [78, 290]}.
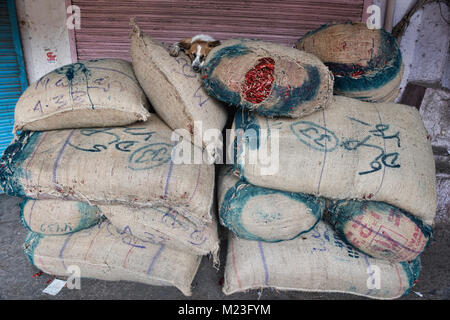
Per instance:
{"type": "Point", "coordinates": [55, 287]}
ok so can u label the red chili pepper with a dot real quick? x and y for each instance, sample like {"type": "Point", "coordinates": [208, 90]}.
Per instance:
{"type": "Point", "coordinates": [258, 81]}
{"type": "Point", "coordinates": [50, 280]}
{"type": "Point", "coordinates": [37, 274]}
{"type": "Point", "coordinates": [357, 74]}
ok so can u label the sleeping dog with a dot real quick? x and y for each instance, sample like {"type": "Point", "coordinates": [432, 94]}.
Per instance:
{"type": "Point", "coordinates": [197, 48]}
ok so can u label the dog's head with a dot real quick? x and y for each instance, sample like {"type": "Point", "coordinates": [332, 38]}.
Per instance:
{"type": "Point", "coordinates": [197, 50]}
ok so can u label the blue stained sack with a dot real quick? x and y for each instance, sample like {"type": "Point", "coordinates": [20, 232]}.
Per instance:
{"type": "Point", "coordinates": [366, 63]}
{"type": "Point", "coordinates": [58, 217]}
{"type": "Point", "coordinates": [257, 213]}
{"type": "Point", "coordinates": [268, 78]}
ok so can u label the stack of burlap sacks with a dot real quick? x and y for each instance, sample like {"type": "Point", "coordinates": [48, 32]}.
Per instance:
{"type": "Point", "coordinates": [326, 193]}
{"type": "Point", "coordinates": [95, 168]}
{"type": "Point", "coordinates": [347, 204]}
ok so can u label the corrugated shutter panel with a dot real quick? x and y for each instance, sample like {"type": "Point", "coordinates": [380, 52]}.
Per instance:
{"type": "Point", "coordinates": [105, 23]}
{"type": "Point", "coordinates": [13, 79]}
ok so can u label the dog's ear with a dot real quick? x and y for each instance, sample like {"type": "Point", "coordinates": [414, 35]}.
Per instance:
{"type": "Point", "coordinates": [213, 44]}
{"type": "Point", "coordinates": [185, 44]}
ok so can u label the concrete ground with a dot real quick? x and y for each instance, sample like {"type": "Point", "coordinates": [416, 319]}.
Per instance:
{"type": "Point", "coordinates": [17, 281]}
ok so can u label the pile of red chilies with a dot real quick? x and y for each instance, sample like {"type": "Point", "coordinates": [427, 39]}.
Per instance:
{"type": "Point", "coordinates": [258, 81]}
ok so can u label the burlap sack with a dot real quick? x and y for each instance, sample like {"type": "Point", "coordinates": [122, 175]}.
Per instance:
{"type": "Point", "coordinates": [379, 230]}
{"type": "Point", "coordinates": [175, 91]}
{"type": "Point", "coordinates": [102, 252]}
{"type": "Point", "coordinates": [263, 214]}
{"type": "Point", "coordinates": [158, 225]}
{"type": "Point", "coordinates": [318, 261]}
{"type": "Point", "coordinates": [94, 93]}
{"type": "Point", "coordinates": [352, 150]}
{"type": "Point", "coordinates": [266, 77]}
{"type": "Point", "coordinates": [122, 165]}
{"type": "Point", "coordinates": [366, 63]}
{"type": "Point", "coordinates": [162, 225]}
{"type": "Point", "coordinates": [56, 217]}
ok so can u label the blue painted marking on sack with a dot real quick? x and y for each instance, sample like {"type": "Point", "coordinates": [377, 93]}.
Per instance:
{"type": "Point", "coordinates": [73, 70]}
{"type": "Point", "coordinates": [314, 135]}
{"type": "Point", "coordinates": [143, 155]}
{"type": "Point", "coordinates": [150, 156]}
{"type": "Point", "coordinates": [322, 139]}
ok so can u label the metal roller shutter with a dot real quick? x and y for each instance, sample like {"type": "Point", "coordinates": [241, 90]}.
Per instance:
{"type": "Point", "coordinates": [13, 80]}
{"type": "Point", "coordinates": [105, 23]}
